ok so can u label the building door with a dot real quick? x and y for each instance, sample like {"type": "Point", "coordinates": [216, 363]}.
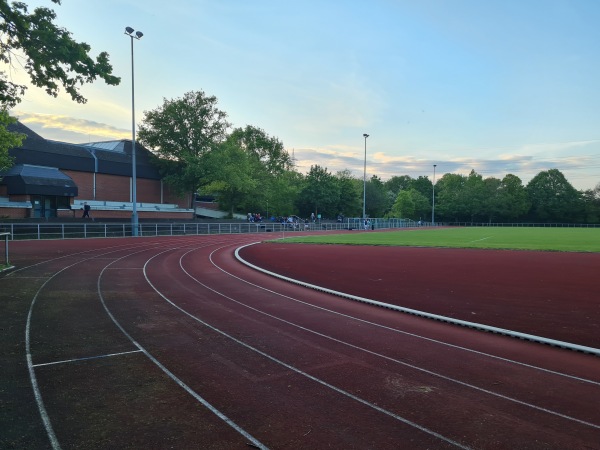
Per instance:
{"type": "Point", "coordinates": [44, 206]}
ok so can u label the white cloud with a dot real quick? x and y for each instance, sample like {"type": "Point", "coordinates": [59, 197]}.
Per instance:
{"type": "Point", "coordinates": [86, 130]}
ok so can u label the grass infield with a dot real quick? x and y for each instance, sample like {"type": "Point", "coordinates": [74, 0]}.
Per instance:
{"type": "Point", "coordinates": [515, 238]}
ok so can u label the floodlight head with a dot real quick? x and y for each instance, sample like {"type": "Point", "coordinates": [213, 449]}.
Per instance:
{"type": "Point", "coordinates": [129, 30]}
{"type": "Point", "coordinates": [365, 135]}
{"type": "Point", "coordinates": [139, 34]}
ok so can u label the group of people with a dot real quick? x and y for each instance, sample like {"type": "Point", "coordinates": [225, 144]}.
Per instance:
{"type": "Point", "coordinates": [254, 217]}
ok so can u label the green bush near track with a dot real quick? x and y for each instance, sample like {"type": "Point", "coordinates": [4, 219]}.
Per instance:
{"type": "Point", "coordinates": [547, 239]}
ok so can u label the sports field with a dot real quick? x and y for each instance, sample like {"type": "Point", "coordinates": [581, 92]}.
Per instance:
{"type": "Point", "coordinates": [514, 238]}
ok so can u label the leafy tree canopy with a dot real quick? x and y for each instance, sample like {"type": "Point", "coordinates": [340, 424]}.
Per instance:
{"type": "Point", "coordinates": [47, 52]}
{"type": "Point", "coordinates": [268, 150]}
{"type": "Point", "coordinates": [181, 132]}
{"type": "Point", "coordinates": [229, 175]}
{"type": "Point", "coordinates": [553, 198]}
{"type": "Point", "coordinates": [320, 194]}
{"type": "Point", "coordinates": [8, 140]}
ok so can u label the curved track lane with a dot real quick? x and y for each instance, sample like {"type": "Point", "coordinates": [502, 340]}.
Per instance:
{"type": "Point", "coordinates": [171, 343]}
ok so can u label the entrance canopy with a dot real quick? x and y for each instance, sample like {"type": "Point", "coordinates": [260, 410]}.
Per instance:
{"type": "Point", "coordinates": [25, 179]}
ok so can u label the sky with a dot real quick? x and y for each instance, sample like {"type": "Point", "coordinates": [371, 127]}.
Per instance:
{"type": "Point", "coordinates": [499, 87]}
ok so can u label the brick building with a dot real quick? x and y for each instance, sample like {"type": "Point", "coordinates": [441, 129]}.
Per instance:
{"type": "Point", "coordinates": [53, 179]}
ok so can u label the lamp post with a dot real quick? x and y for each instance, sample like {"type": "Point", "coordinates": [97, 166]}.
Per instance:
{"type": "Point", "coordinates": [433, 197]}
{"type": "Point", "coordinates": [365, 180]}
{"type": "Point", "coordinates": [134, 216]}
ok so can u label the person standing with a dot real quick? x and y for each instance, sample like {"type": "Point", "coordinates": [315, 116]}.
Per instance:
{"type": "Point", "coordinates": [86, 210]}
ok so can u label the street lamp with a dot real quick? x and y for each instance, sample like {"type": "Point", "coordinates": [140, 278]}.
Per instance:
{"type": "Point", "coordinates": [134, 217]}
{"type": "Point", "coordinates": [365, 179]}
{"type": "Point", "coordinates": [433, 198]}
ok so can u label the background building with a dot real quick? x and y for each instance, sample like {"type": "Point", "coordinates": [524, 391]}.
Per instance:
{"type": "Point", "coordinates": [53, 179]}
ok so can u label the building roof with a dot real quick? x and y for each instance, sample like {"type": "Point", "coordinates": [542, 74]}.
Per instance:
{"type": "Point", "coordinates": [111, 157]}
{"type": "Point", "coordinates": [25, 179]}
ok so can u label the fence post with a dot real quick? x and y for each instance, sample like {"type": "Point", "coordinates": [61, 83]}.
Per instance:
{"type": "Point", "coordinates": [5, 247]}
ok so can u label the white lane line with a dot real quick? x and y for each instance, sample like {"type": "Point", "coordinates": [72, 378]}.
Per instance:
{"type": "Point", "coordinates": [464, 323]}
{"type": "Point", "coordinates": [294, 369]}
{"type": "Point", "coordinates": [85, 359]}
{"type": "Point", "coordinates": [30, 366]}
{"type": "Point", "coordinates": [482, 239]}
{"type": "Point", "coordinates": [253, 441]}
{"type": "Point", "coordinates": [407, 333]}
{"type": "Point", "coordinates": [435, 374]}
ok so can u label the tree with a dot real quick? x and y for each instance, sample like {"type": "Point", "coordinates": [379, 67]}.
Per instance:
{"type": "Point", "coordinates": [474, 196]}
{"type": "Point", "coordinates": [52, 58]}
{"type": "Point", "coordinates": [410, 204]}
{"type": "Point", "coordinates": [377, 203]}
{"type": "Point", "coordinates": [450, 201]}
{"type": "Point", "coordinates": [512, 198]}
{"type": "Point", "coordinates": [398, 183]}
{"type": "Point", "coordinates": [320, 194]}
{"type": "Point", "coordinates": [283, 192]}
{"type": "Point", "coordinates": [266, 149]}
{"type": "Point", "coordinates": [349, 204]}
{"type": "Point", "coordinates": [553, 198]}
{"type": "Point", "coordinates": [422, 204]}
{"type": "Point", "coordinates": [404, 206]}
{"type": "Point", "coordinates": [591, 200]}
{"type": "Point", "coordinates": [229, 175]}
{"type": "Point", "coordinates": [8, 140]}
{"type": "Point", "coordinates": [493, 205]}
{"type": "Point", "coordinates": [180, 133]}
{"type": "Point", "coordinates": [424, 186]}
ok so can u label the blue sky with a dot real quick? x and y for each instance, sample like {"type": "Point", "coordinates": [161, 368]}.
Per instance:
{"type": "Point", "coordinates": [496, 86]}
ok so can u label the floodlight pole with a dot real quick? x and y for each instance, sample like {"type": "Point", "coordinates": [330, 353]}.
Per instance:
{"type": "Point", "coordinates": [364, 215]}
{"type": "Point", "coordinates": [433, 197]}
{"type": "Point", "coordinates": [134, 215]}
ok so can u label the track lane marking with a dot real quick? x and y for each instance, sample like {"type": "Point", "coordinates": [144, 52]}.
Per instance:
{"type": "Point", "coordinates": [295, 369]}
{"type": "Point", "coordinates": [87, 358]}
{"type": "Point", "coordinates": [468, 385]}
{"type": "Point", "coordinates": [30, 366]}
{"type": "Point", "coordinates": [253, 441]}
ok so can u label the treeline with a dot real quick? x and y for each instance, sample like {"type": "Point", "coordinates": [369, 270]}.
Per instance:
{"type": "Point", "coordinates": [249, 171]}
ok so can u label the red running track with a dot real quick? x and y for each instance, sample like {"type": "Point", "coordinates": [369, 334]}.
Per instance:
{"type": "Point", "coordinates": [555, 295]}
{"type": "Point", "coordinates": [172, 343]}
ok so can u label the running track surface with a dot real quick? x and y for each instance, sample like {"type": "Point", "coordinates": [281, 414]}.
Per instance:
{"type": "Point", "coordinates": [173, 343]}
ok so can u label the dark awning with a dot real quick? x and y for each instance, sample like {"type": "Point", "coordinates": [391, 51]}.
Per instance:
{"type": "Point", "coordinates": [25, 179]}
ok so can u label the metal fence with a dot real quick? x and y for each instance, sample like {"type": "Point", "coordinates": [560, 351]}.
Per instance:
{"type": "Point", "coordinates": [42, 230]}
{"type": "Point", "coordinates": [82, 230]}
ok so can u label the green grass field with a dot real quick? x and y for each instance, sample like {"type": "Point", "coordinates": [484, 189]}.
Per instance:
{"type": "Point", "coordinates": [516, 238]}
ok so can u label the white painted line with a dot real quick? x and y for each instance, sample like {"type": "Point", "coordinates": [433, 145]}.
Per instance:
{"type": "Point", "coordinates": [477, 240]}
{"type": "Point", "coordinates": [300, 372]}
{"type": "Point", "coordinates": [464, 323]}
{"type": "Point", "coordinates": [85, 359]}
{"type": "Point", "coordinates": [429, 372]}
{"type": "Point", "coordinates": [253, 441]}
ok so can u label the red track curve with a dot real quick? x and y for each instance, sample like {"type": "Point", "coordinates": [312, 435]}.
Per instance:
{"type": "Point", "coordinates": [191, 349]}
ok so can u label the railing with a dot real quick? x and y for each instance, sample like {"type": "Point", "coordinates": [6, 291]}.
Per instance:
{"type": "Point", "coordinates": [22, 231]}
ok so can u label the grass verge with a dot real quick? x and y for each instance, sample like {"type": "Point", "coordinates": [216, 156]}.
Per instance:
{"type": "Point", "coordinates": [515, 238]}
